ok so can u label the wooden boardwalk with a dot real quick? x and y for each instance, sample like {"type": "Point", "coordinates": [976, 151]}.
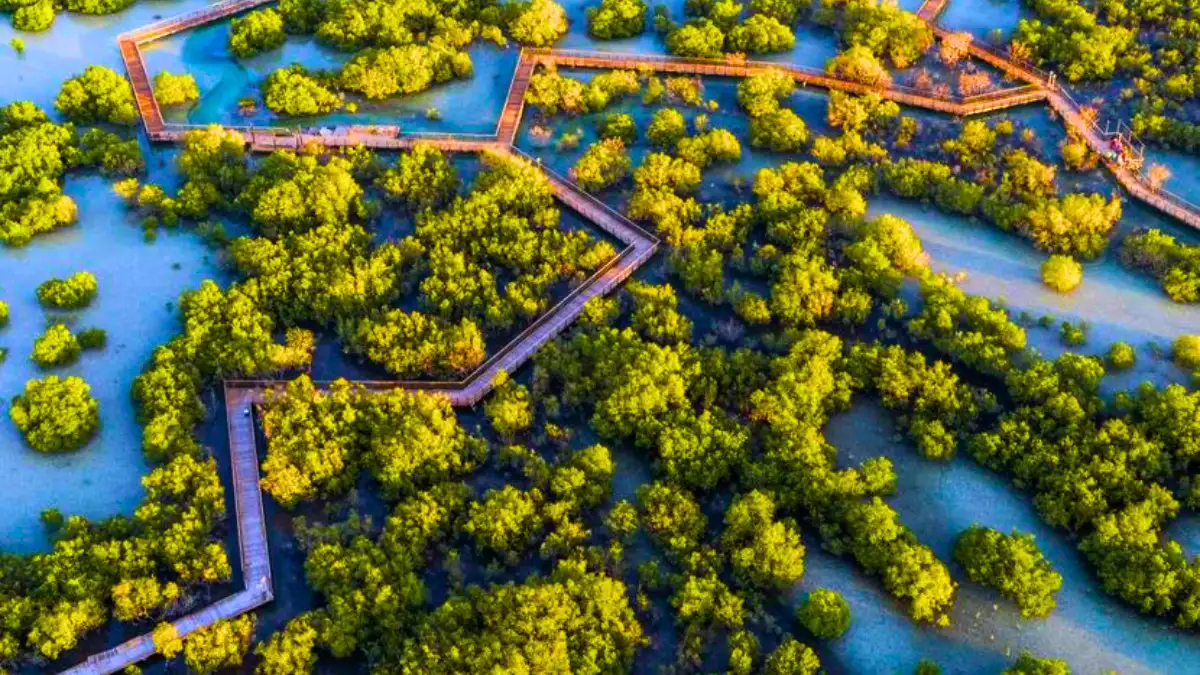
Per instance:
{"type": "Point", "coordinates": [640, 246]}
{"type": "Point", "coordinates": [1136, 182]}
{"type": "Point", "coordinates": [514, 103]}
{"type": "Point", "coordinates": [921, 98]}
{"type": "Point", "coordinates": [1039, 85]}
{"type": "Point", "coordinates": [931, 9]}
{"type": "Point", "coordinates": [252, 549]}
{"type": "Point", "coordinates": [131, 53]}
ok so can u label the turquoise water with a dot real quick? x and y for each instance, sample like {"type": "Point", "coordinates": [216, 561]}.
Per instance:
{"type": "Point", "coordinates": [470, 106]}
{"type": "Point", "coordinates": [937, 501]}
{"type": "Point", "coordinates": [1185, 171]}
{"type": "Point", "coordinates": [1118, 303]}
{"type": "Point", "coordinates": [73, 42]}
{"type": "Point", "coordinates": [577, 34]}
{"type": "Point", "coordinates": [814, 44]}
{"type": "Point", "coordinates": [137, 281]}
{"type": "Point", "coordinates": [807, 103]}
{"type": "Point", "coordinates": [982, 17]}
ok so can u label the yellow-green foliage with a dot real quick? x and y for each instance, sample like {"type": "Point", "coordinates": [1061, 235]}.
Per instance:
{"type": "Point", "coordinates": [56, 415]}
{"type": "Point", "coordinates": [56, 347]}
{"type": "Point", "coordinates": [75, 292]}
{"type": "Point", "coordinates": [1062, 273]}
{"type": "Point", "coordinates": [171, 89]}
{"type": "Point", "coordinates": [1186, 352]}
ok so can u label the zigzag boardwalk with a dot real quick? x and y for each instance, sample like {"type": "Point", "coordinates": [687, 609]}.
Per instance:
{"type": "Point", "coordinates": [954, 105]}
{"type": "Point", "coordinates": [182, 22]}
{"type": "Point", "coordinates": [252, 545]}
{"type": "Point", "coordinates": [1135, 183]}
{"type": "Point", "coordinates": [142, 91]}
{"type": "Point", "coordinates": [131, 53]}
{"type": "Point", "coordinates": [640, 245]}
{"type": "Point", "coordinates": [241, 395]}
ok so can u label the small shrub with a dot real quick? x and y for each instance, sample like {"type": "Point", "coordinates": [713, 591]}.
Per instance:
{"type": "Point", "coordinates": [56, 347]}
{"type": "Point", "coordinates": [75, 292]}
{"type": "Point", "coordinates": [604, 163]}
{"type": "Point", "coordinates": [171, 89]}
{"type": "Point", "coordinates": [99, 94]}
{"type": "Point", "coordinates": [1186, 352]}
{"type": "Point", "coordinates": [569, 140]}
{"type": "Point", "coordinates": [666, 128]}
{"type": "Point", "coordinates": [618, 125]}
{"type": "Point", "coordinates": [56, 415]}
{"type": "Point", "coordinates": [1121, 356]}
{"type": "Point", "coordinates": [34, 17]}
{"type": "Point", "coordinates": [928, 667]}
{"type": "Point", "coordinates": [256, 32]}
{"type": "Point", "coordinates": [1062, 273]}
{"type": "Point", "coordinates": [1012, 564]}
{"type": "Point", "coordinates": [93, 338]}
{"type": "Point", "coordinates": [1072, 335]}
{"type": "Point", "coordinates": [825, 614]}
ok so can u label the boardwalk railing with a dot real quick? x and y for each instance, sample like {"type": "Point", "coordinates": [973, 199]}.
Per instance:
{"type": "Point", "coordinates": [1136, 182]}
{"type": "Point", "coordinates": [189, 20]}
{"type": "Point", "coordinates": [252, 547]}
{"type": "Point", "coordinates": [640, 247]}
{"type": "Point", "coordinates": [738, 67]}
{"type": "Point", "coordinates": [514, 101]}
{"type": "Point", "coordinates": [931, 9]}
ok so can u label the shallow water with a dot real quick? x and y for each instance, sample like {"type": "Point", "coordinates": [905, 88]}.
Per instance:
{"type": "Point", "coordinates": [984, 16]}
{"type": "Point", "coordinates": [1092, 631]}
{"type": "Point", "coordinates": [74, 42]}
{"type": "Point", "coordinates": [1120, 304]}
{"type": "Point", "coordinates": [468, 106]}
{"type": "Point", "coordinates": [718, 178]}
{"type": "Point", "coordinates": [137, 281]}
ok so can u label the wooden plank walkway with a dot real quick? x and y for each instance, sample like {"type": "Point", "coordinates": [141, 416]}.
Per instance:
{"type": "Point", "coordinates": [131, 53]}
{"type": "Point", "coordinates": [1039, 85]}
{"type": "Point", "coordinates": [954, 105]}
{"type": "Point", "coordinates": [931, 9]}
{"type": "Point", "coordinates": [252, 546]}
{"type": "Point", "coordinates": [640, 247]}
{"type": "Point", "coordinates": [1135, 182]}
{"type": "Point", "coordinates": [189, 20]}
{"type": "Point", "coordinates": [514, 103]}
